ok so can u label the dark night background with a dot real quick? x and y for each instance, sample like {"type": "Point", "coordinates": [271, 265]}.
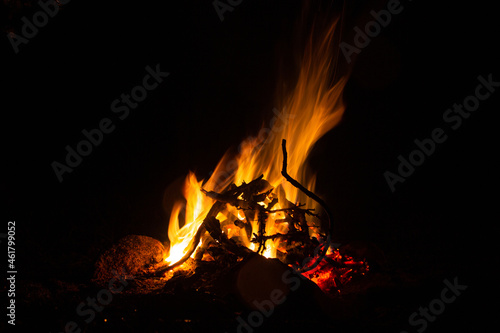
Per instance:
{"type": "Point", "coordinates": [438, 224]}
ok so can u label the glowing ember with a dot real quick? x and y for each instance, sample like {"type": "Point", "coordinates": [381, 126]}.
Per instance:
{"type": "Point", "coordinates": [335, 271]}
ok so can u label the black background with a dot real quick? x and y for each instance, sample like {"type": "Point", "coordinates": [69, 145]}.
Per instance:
{"type": "Point", "coordinates": [440, 222]}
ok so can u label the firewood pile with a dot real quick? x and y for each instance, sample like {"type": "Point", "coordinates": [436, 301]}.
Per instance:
{"type": "Point", "coordinates": [212, 255]}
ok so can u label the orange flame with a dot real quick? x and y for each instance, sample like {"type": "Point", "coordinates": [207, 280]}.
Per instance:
{"type": "Point", "coordinates": [312, 108]}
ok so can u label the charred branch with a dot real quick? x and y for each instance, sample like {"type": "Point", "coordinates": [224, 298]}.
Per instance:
{"type": "Point", "coordinates": [315, 198]}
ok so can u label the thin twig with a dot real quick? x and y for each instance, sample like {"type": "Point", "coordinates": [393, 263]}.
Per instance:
{"type": "Point", "coordinates": [315, 198]}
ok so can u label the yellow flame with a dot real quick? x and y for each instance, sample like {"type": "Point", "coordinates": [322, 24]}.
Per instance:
{"type": "Point", "coordinates": [311, 109]}
{"type": "Point", "coordinates": [196, 207]}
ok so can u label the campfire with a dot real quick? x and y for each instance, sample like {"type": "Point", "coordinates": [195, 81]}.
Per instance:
{"type": "Point", "coordinates": [256, 217]}
{"type": "Point", "coordinates": [259, 201]}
